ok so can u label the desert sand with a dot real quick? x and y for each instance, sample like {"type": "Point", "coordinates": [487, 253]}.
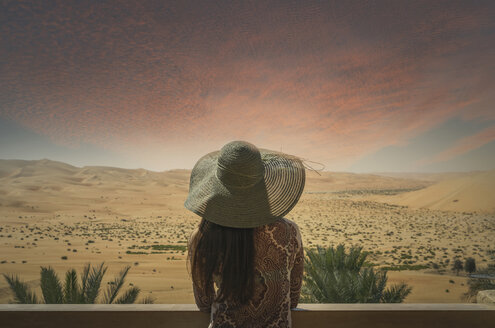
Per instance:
{"type": "Point", "coordinates": [56, 214]}
{"type": "Point", "coordinates": [469, 193]}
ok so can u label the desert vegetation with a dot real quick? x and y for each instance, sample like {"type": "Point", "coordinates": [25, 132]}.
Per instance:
{"type": "Point", "coordinates": [483, 279]}
{"type": "Point", "coordinates": [333, 275]}
{"type": "Point", "coordinates": [73, 292]}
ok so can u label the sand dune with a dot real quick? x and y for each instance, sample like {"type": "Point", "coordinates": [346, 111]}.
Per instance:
{"type": "Point", "coordinates": [45, 186]}
{"type": "Point", "coordinates": [49, 185]}
{"type": "Point", "coordinates": [22, 169]}
{"type": "Point", "coordinates": [472, 192]}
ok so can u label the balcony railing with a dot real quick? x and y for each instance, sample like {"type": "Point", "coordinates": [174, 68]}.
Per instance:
{"type": "Point", "coordinates": [187, 315]}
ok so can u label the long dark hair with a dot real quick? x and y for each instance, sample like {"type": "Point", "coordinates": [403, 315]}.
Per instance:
{"type": "Point", "coordinates": [228, 252]}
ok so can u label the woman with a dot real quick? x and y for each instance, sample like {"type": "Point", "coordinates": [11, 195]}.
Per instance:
{"type": "Point", "coordinates": [246, 259]}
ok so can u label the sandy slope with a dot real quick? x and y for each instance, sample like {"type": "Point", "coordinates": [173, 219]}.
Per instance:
{"type": "Point", "coordinates": [473, 192]}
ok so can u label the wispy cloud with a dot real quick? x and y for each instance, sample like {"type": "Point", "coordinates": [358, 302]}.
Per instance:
{"type": "Point", "coordinates": [462, 146]}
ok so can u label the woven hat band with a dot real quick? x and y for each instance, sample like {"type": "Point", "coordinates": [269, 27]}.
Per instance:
{"type": "Point", "coordinates": [234, 179]}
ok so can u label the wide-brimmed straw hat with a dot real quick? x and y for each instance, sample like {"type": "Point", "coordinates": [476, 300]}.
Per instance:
{"type": "Point", "coordinates": [241, 186]}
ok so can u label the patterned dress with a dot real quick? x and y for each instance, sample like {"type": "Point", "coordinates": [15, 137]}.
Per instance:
{"type": "Point", "coordinates": [279, 264]}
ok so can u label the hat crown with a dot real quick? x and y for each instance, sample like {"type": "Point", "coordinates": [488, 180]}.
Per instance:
{"type": "Point", "coordinates": [240, 165]}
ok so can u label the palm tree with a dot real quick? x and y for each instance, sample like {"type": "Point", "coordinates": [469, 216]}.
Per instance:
{"type": "Point", "coordinates": [72, 292]}
{"type": "Point", "coordinates": [334, 276]}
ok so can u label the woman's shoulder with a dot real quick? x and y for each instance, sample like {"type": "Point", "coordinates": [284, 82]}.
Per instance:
{"type": "Point", "coordinates": [283, 232]}
{"type": "Point", "coordinates": [290, 222]}
{"type": "Point", "coordinates": [282, 223]}
{"type": "Point", "coordinates": [287, 222]}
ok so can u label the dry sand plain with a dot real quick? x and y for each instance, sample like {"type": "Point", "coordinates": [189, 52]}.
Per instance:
{"type": "Point", "coordinates": [51, 210]}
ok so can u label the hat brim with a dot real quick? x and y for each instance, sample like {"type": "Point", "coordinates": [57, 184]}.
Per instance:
{"type": "Point", "coordinates": [272, 197]}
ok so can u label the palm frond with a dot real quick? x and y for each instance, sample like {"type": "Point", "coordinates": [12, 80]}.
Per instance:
{"type": "Point", "coordinates": [148, 300]}
{"type": "Point", "coordinates": [396, 293]}
{"type": "Point", "coordinates": [114, 287]}
{"type": "Point", "coordinates": [71, 289]}
{"type": "Point", "coordinates": [50, 286]}
{"type": "Point", "coordinates": [22, 294]}
{"type": "Point", "coordinates": [129, 296]}
{"type": "Point", "coordinates": [307, 295]}
{"type": "Point", "coordinates": [94, 283]}
{"type": "Point", "coordinates": [71, 292]}
{"type": "Point", "coordinates": [333, 275]}
{"type": "Point", "coordinates": [84, 284]}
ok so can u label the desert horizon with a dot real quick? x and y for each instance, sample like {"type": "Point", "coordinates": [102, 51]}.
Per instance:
{"type": "Point", "coordinates": [59, 215]}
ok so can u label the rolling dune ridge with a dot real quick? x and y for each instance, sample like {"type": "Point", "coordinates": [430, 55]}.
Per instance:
{"type": "Point", "coordinates": [474, 192]}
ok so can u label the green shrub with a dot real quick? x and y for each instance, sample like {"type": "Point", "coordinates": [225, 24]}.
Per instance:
{"type": "Point", "coordinates": [335, 276]}
{"type": "Point", "coordinates": [71, 292]}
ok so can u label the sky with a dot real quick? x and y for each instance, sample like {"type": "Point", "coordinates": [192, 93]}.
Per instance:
{"type": "Point", "coordinates": [361, 86]}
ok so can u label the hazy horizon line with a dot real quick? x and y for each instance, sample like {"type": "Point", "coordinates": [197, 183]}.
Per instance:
{"type": "Point", "coordinates": [174, 169]}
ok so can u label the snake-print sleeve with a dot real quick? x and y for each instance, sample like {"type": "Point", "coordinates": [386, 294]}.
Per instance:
{"type": "Point", "coordinates": [296, 273]}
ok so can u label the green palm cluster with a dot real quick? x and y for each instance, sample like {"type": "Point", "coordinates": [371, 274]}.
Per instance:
{"type": "Point", "coordinates": [73, 292]}
{"type": "Point", "coordinates": [334, 276]}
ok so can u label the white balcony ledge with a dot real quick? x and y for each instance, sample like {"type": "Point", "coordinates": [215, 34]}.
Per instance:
{"type": "Point", "coordinates": [187, 315]}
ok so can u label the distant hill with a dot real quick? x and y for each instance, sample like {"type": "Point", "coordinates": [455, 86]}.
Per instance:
{"type": "Point", "coordinates": [474, 191]}
{"type": "Point", "coordinates": [433, 177]}
{"type": "Point", "coordinates": [19, 173]}
{"type": "Point", "coordinates": [48, 172]}
{"type": "Point", "coordinates": [45, 186]}
{"type": "Point", "coordinates": [346, 181]}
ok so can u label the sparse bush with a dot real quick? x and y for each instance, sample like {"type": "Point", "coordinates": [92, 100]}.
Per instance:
{"type": "Point", "coordinates": [470, 265]}
{"type": "Point", "coordinates": [457, 266]}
